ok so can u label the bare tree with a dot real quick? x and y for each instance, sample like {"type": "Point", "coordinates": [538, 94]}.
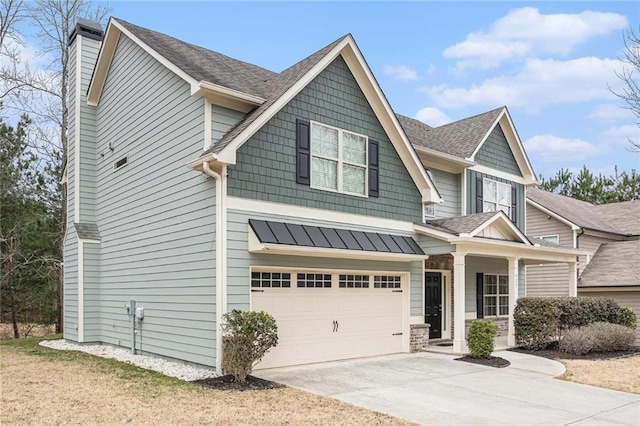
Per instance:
{"type": "Point", "coordinates": [630, 93]}
{"type": "Point", "coordinates": [42, 92]}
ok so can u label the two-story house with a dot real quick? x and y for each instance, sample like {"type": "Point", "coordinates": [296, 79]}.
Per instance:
{"type": "Point", "coordinates": [608, 233]}
{"type": "Point", "coordinates": [198, 184]}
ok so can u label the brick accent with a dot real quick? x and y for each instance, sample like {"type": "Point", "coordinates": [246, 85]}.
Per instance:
{"type": "Point", "coordinates": [502, 323]}
{"type": "Point", "coordinates": [419, 338]}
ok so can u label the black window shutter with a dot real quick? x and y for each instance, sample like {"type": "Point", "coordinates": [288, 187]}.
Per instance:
{"type": "Point", "coordinates": [480, 294]}
{"type": "Point", "coordinates": [514, 205]}
{"type": "Point", "coordinates": [303, 152]}
{"type": "Point", "coordinates": [374, 168]}
{"type": "Point", "coordinates": [479, 204]}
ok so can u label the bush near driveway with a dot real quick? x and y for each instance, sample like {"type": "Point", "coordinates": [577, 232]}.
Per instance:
{"type": "Point", "coordinates": [597, 337]}
{"type": "Point", "coordinates": [542, 320]}
{"type": "Point", "coordinates": [248, 336]}
{"type": "Point", "coordinates": [481, 337]}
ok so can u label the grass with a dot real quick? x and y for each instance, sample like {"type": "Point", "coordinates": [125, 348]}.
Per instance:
{"type": "Point", "coordinates": [46, 386]}
{"type": "Point", "coordinates": [621, 374]}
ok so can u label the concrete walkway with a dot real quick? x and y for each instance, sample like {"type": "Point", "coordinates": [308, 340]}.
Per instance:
{"type": "Point", "coordinates": [431, 388]}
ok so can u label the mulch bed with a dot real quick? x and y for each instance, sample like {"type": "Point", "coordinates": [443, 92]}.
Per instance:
{"type": "Point", "coordinates": [494, 361]}
{"type": "Point", "coordinates": [552, 352]}
{"type": "Point", "coordinates": [228, 383]}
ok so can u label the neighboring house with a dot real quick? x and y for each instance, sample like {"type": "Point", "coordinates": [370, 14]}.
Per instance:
{"type": "Point", "coordinates": [609, 233]}
{"type": "Point", "coordinates": [198, 184]}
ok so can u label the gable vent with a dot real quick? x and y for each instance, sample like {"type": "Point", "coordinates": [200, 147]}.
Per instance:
{"type": "Point", "coordinates": [120, 163]}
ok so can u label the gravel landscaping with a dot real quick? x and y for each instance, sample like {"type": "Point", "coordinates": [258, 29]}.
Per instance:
{"type": "Point", "coordinates": [177, 369]}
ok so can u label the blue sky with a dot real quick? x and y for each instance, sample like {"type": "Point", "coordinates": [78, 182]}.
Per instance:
{"type": "Point", "coordinates": [549, 62]}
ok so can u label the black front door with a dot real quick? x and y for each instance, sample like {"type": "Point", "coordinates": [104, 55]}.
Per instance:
{"type": "Point", "coordinates": [433, 303]}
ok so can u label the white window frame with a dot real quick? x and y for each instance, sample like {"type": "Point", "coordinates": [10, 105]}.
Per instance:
{"type": "Point", "coordinates": [547, 237]}
{"type": "Point", "coordinates": [498, 183]}
{"type": "Point", "coordinates": [496, 296]}
{"type": "Point", "coordinates": [340, 161]}
{"type": "Point", "coordinates": [428, 215]}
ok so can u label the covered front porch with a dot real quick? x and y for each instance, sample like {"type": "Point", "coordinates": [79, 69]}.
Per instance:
{"type": "Point", "coordinates": [481, 275]}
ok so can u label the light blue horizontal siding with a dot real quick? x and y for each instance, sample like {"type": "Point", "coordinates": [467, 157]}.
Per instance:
{"type": "Point", "coordinates": [448, 185]}
{"type": "Point", "coordinates": [91, 286]}
{"type": "Point", "coordinates": [487, 265]}
{"type": "Point", "coordinates": [70, 318]}
{"type": "Point", "coordinates": [87, 185]}
{"type": "Point", "coordinates": [156, 217]}
{"type": "Point", "coordinates": [223, 119]}
{"type": "Point", "coordinates": [239, 260]}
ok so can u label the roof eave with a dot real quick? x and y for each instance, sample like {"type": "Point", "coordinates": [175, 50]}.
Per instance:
{"type": "Point", "coordinates": [228, 98]}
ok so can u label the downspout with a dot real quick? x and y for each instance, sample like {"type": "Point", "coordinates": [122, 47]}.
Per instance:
{"type": "Point", "coordinates": [578, 257]}
{"type": "Point", "coordinates": [220, 257]}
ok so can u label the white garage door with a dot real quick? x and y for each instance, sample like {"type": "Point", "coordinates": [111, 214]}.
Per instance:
{"type": "Point", "coordinates": [324, 317]}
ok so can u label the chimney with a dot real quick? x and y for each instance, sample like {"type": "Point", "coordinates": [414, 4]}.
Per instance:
{"type": "Point", "coordinates": [86, 28]}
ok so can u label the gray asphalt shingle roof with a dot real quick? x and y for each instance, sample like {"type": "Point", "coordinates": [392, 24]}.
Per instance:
{"type": "Point", "coordinates": [205, 65]}
{"type": "Point", "coordinates": [623, 216]}
{"type": "Point", "coordinates": [578, 212]}
{"type": "Point", "coordinates": [87, 231]}
{"type": "Point", "coordinates": [614, 264]}
{"type": "Point", "coordinates": [462, 224]}
{"type": "Point", "coordinates": [278, 87]}
{"type": "Point", "coordinates": [460, 138]}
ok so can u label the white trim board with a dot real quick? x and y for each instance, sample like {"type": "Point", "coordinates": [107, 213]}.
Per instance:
{"type": "Point", "coordinates": [288, 210]}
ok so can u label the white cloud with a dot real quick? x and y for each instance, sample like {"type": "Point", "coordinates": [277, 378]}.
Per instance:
{"type": "Point", "coordinates": [549, 148]}
{"type": "Point", "coordinates": [621, 134]}
{"type": "Point", "coordinates": [433, 116]}
{"type": "Point", "coordinates": [540, 82]}
{"type": "Point", "coordinates": [610, 112]}
{"type": "Point", "coordinates": [400, 72]}
{"type": "Point", "coordinates": [524, 32]}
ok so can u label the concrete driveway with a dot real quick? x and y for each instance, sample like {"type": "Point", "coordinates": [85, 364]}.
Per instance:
{"type": "Point", "coordinates": [430, 388]}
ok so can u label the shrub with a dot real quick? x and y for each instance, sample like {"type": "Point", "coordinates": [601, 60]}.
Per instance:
{"type": "Point", "coordinates": [480, 338]}
{"type": "Point", "coordinates": [597, 337]}
{"type": "Point", "coordinates": [247, 337]}
{"type": "Point", "coordinates": [627, 318]}
{"type": "Point", "coordinates": [536, 321]}
{"type": "Point", "coordinates": [582, 311]}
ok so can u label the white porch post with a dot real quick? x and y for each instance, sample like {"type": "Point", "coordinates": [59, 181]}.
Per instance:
{"type": "Point", "coordinates": [573, 279]}
{"type": "Point", "coordinates": [459, 341]}
{"type": "Point", "coordinates": [513, 296]}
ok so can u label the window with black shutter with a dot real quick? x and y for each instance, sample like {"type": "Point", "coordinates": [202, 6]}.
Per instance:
{"type": "Point", "coordinates": [336, 160]}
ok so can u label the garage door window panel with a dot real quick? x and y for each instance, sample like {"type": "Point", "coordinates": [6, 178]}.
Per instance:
{"type": "Point", "coordinates": [270, 279]}
{"type": "Point", "coordinates": [313, 280]}
{"type": "Point", "coordinates": [353, 281]}
{"type": "Point", "coordinates": [387, 281]}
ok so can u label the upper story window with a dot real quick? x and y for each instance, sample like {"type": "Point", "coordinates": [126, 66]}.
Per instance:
{"type": "Point", "coordinates": [496, 196]}
{"type": "Point", "coordinates": [428, 212]}
{"type": "Point", "coordinates": [555, 239]}
{"type": "Point", "coordinates": [338, 160]}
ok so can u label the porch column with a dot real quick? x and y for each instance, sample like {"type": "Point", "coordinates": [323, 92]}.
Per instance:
{"type": "Point", "coordinates": [573, 279]}
{"type": "Point", "coordinates": [513, 296]}
{"type": "Point", "coordinates": [459, 340]}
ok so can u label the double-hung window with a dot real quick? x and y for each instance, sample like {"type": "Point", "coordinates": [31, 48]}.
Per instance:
{"type": "Point", "coordinates": [338, 160]}
{"type": "Point", "coordinates": [496, 295]}
{"type": "Point", "coordinates": [496, 196]}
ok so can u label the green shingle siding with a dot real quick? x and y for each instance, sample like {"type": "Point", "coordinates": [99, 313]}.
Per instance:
{"type": "Point", "coordinates": [266, 163]}
{"type": "Point", "coordinates": [471, 194]}
{"type": "Point", "coordinates": [496, 153]}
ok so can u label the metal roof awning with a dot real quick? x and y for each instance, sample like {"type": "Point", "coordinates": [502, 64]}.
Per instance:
{"type": "Point", "coordinates": [307, 240]}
